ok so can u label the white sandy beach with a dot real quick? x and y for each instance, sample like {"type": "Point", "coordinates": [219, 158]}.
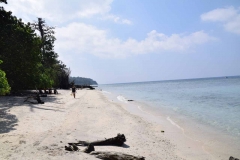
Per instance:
{"type": "Point", "coordinates": [40, 131]}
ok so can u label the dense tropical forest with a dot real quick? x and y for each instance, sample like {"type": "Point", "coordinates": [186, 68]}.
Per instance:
{"type": "Point", "coordinates": [27, 56]}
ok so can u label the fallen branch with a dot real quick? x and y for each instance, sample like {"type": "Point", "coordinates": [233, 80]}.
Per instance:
{"type": "Point", "coordinates": [117, 141]}
{"type": "Point", "coordinates": [37, 97]}
{"type": "Point", "coordinates": [104, 155]}
{"type": "Point", "coordinates": [232, 158]}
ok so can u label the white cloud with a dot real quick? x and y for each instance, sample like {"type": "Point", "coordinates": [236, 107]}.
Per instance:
{"type": "Point", "coordinates": [117, 19]}
{"type": "Point", "coordinates": [93, 7]}
{"type": "Point", "coordinates": [62, 11]}
{"type": "Point", "coordinates": [82, 38]}
{"type": "Point", "coordinates": [229, 17]}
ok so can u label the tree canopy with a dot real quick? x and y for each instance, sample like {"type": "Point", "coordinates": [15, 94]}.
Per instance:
{"type": "Point", "coordinates": [30, 61]}
{"type": "Point", "coordinates": [3, 1]}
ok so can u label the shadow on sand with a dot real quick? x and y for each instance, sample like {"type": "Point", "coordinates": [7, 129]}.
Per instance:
{"type": "Point", "coordinates": [8, 121]}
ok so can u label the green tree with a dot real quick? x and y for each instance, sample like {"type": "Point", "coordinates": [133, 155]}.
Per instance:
{"type": "Point", "coordinates": [4, 86]}
{"type": "Point", "coordinates": [3, 1]}
{"type": "Point", "coordinates": [54, 68]}
{"type": "Point", "coordinates": [49, 56]}
{"type": "Point", "coordinates": [30, 61]}
{"type": "Point", "coordinates": [62, 77]}
{"type": "Point", "coordinates": [19, 48]}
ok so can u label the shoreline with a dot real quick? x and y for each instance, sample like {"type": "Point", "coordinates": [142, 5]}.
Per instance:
{"type": "Point", "coordinates": [193, 139]}
{"type": "Point", "coordinates": [34, 131]}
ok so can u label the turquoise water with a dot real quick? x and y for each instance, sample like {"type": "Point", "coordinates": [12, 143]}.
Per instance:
{"type": "Point", "coordinates": [214, 102]}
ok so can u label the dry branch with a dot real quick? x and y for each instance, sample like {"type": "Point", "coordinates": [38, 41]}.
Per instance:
{"type": "Point", "coordinates": [232, 158]}
{"type": "Point", "coordinates": [117, 141]}
{"type": "Point", "coordinates": [35, 97]}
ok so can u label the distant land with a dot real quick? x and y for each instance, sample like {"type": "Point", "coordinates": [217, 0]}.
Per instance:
{"type": "Point", "coordinates": [82, 81]}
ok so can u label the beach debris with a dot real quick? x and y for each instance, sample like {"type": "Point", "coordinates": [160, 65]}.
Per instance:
{"type": "Point", "coordinates": [55, 91]}
{"type": "Point", "coordinates": [48, 91]}
{"type": "Point", "coordinates": [162, 131]}
{"type": "Point", "coordinates": [35, 97]}
{"type": "Point", "coordinates": [130, 100]}
{"type": "Point", "coordinates": [118, 141]}
{"type": "Point", "coordinates": [232, 158]}
{"type": "Point", "coordinates": [72, 147]}
{"type": "Point", "coordinates": [115, 156]}
{"type": "Point", "coordinates": [89, 148]}
{"type": "Point", "coordinates": [104, 155]}
{"type": "Point", "coordinates": [111, 155]}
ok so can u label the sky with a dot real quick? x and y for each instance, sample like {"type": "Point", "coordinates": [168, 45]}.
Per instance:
{"type": "Point", "coordinates": [120, 41]}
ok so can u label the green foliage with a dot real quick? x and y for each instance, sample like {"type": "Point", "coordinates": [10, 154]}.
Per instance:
{"type": "Point", "coordinates": [45, 81]}
{"type": "Point", "coordinates": [19, 51]}
{"type": "Point", "coordinates": [62, 75]}
{"type": "Point", "coordinates": [49, 56]}
{"type": "Point", "coordinates": [30, 61]}
{"type": "Point", "coordinates": [55, 69]}
{"type": "Point", "coordinates": [4, 86]}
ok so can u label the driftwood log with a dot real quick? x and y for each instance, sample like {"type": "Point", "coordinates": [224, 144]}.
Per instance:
{"type": "Point", "coordinates": [36, 97]}
{"type": "Point", "coordinates": [55, 91]}
{"type": "Point", "coordinates": [111, 155]}
{"type": "Point", "coordinates": [232, 158]}
{"type": "Point", "coordinates": [104, 155]}
{"type": "Point", "coordinates": [115, 156]}
{"type": "Point", "coordinates": [116, 141]}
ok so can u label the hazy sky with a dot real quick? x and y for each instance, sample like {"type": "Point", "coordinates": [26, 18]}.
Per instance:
{"type": "Point", "coordinates": [115, 41]}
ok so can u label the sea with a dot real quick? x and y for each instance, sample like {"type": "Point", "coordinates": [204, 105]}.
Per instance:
{"type": "Point", "coordinates": [212, 102]}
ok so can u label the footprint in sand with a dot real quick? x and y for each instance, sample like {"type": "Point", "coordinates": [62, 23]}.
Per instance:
{"type": "Point", "coordinates": [22, 142]}
{"type": "Point", "coordinates": [54, 144]}
{"type": "Point", "coordinates": [36, 143]}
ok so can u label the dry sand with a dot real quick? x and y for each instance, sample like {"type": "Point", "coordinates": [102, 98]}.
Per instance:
{"type": "Point", "coordinates": [40, 131]}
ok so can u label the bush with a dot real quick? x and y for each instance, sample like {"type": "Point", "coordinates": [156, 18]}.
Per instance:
{"type": "Point", "coordinates": [4, 86]}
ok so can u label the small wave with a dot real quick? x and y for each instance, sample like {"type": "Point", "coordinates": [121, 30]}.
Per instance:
{"type": "Point", "coordinates": [183, 131]}
{"type": "Point", "coordinates": [202, 145]}
{"type": "Point", "coordinates": [122, 99]}
{"type": "Point", "coordinates": [139, 107]}
{"type": "Point", "coordinates": [106, 92]}
{"type": "Point", "coordinates": [175, 124]}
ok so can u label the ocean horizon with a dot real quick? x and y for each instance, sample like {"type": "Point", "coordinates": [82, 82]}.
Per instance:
{"type": "Point", "coordinates": [172, 80]}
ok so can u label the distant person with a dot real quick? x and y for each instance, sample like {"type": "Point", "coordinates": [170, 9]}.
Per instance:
{"type": "Point", "coordinates": [73, 91]}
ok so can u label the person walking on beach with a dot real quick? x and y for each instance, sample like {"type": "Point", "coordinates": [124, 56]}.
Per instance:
{"type": "Point", "coordinates": [73, 91]}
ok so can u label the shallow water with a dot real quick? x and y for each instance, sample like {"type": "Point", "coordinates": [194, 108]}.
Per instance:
{"type": "Point", "coordinates": [213, 102]}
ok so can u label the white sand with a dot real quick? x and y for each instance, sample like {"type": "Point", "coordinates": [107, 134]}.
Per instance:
{"type": "Point", "coordinates": [40, 131]}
